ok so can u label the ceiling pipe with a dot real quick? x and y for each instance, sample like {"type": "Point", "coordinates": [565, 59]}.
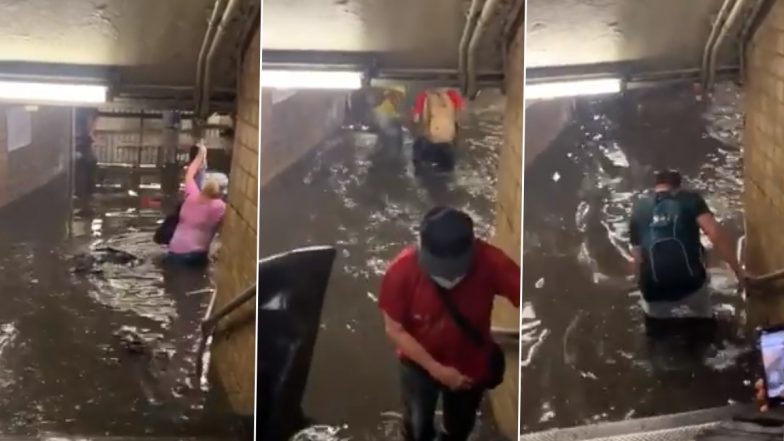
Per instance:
{"type": "Point", "coordinates": [515, 20]}
{"type": "Point", "coordinates": [217, 10]}
{"type": "Point", "coordinates": [725, 8]}
{"type": "Point", "coordinates": [725, 29]}
{"type": "Point", "coordinates": [229, 13]}
{"type": "Point", "coordinates": [745, 36]}
{"type": "Point", "coordinates": [474, 11]}
{"type": "Point", "coordinates": [488, 10]}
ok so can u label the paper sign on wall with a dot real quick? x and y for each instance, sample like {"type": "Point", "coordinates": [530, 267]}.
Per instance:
{"type": "Point", "coordinates": [19, 125]}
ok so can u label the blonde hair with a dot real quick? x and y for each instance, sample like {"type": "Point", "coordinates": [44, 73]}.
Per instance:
{"type": "Point", "coordinates": [211, 189]}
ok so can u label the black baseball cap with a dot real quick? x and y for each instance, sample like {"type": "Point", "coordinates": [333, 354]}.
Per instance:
{"type": "Point", "coordinates": [670, 177]}
{"type": "Point", "coordinates": [446, 243]}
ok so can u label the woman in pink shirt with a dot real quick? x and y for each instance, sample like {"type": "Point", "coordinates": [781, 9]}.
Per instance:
{"type": "Point", "coordinates": [200, 215]}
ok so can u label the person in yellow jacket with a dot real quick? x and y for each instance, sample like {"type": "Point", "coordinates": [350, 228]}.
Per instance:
{"type": "Point", "coordinates": [435, 112]}
{"type": "Point", "coordinates": [387, 116]}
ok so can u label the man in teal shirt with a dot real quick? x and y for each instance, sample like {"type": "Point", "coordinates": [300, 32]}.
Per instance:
{"type": "Point", "coordinates": [668, 256]}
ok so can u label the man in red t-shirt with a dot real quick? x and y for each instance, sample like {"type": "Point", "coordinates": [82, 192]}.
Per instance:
{"type": "Point", "coordinates": [438, 357]}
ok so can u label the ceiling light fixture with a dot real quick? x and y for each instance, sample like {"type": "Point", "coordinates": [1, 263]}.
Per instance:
{"type": "Point", "coordinates": [572, 88]}
{"type": "Point", "coordinates": [301, 79]}
{"type": "Point", "coordinates": [29, 92]}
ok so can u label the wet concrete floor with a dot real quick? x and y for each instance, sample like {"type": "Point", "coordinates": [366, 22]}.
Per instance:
{"type": "Point", "coordinates": [105, 350]}
{"type": "Point", "coordinates": [367, 205]}
{"type": "Point", "coordinates": [584, 356]}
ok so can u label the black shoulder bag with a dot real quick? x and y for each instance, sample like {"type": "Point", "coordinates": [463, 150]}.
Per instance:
{"type": "Point", "coordinates": [497, 361]}
{"type": "Point", "coordinates": [164, 233]}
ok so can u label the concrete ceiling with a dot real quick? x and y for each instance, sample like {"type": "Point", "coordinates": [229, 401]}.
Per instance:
{"type": "Point", "coordinates": [651, 34]}
{"type": "Point", "coordinates": [140, 42]}
{"type": "Point", "coordinates": [399, 33]}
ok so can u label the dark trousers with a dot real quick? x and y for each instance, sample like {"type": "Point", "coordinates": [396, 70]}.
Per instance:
{"type": "Point", "coordinates": [391, 136]}
{"type": "Point", "coordinates": [194, 259]}
{"type": "Point", "coordinates": [438, 156]}
{"type": "Point", "coordinates": [85, 169]}
{"type": "Point", "coordinates": [420, 397]}
{"type": "Point", "coordinates": [691, 328]}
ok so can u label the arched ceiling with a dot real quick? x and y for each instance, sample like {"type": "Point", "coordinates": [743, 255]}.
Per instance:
{"type": "Point", "coordinates": [651, 35]}
{"type": "Point", "coordinates": [133, 42]}
{"type": "Point", "coordinates": [398, 33]}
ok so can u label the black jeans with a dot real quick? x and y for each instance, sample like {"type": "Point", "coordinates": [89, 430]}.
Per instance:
{"type": "Point", "coordinates": [420, 397]}
{"type": "Point", "coordinates": [438, 156]}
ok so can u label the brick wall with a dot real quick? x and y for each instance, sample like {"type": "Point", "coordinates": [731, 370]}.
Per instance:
{"type": "Point", "coordinates": [234, 349]}
{"type": "Point", "coordinates": [504, 399]}
{"type": "Point", "coordinates": [764, 156]}
{"type": "Point", "coordinates": [32, 166]}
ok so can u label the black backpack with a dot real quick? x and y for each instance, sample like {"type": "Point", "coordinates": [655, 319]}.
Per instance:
{"type": "Point", "coordinates": [671, 267]}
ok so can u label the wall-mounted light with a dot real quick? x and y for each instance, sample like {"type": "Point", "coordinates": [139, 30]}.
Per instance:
{"type": "Point", "coordinates": [27, 91]}
{"type": "Point", "coordinates": [572, 88]}
{"type": "Point", "coordinates": [302, 79]}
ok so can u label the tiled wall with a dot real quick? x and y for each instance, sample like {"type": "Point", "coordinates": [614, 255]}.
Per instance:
{"type": "Point", "coordinates": [508, 231]}
{"type": "Point", "coordinates": [234, 351]}
{"type": "Point", "coordinates": [764, 156]}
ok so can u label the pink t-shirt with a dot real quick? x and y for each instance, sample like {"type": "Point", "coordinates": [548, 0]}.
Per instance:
{"type": "Point", "coordinates": [198, 222]}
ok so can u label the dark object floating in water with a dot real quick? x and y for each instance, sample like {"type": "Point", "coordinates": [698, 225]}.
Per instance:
{"type": "Point", "coordinates": [89, 262]}
{"type": "Point", "coordinates": [290, 298]}
{"type": "Point", "coordinates": [131, 340]}
{"type": "Point", "coordinates": [139, 341]}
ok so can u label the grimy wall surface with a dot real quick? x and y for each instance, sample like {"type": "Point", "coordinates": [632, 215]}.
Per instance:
{"type": "Point", "coordinates": [294, 123]}
{"type": "Point", "coordinates": [764, 156]}
{"type": "Point", "coordinates": [549, 117]}
{"type": "Point", "coordinates": [508, 231]}
{"type": "Point", "coordinates": [234, 347]}
{"type": "Point", "coordinates": [33, 165]}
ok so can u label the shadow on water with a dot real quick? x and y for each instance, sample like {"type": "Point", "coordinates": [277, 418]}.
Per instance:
{"type": "Point", "coordinates": [367, 205]}
{"type": "Point", "coordinates": [91, 344]}
{"type": "Point", "coordinates": [585, 358]}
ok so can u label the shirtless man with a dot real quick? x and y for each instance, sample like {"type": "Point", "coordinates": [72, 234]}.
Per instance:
{"type": "Point", "coordinates": [435, 112]}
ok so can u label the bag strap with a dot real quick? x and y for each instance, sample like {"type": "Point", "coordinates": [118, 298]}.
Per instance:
{"type": "Point", "coordinates": [458, 318]}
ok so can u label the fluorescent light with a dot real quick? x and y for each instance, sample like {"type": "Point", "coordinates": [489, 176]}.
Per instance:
{"type": "Point", "coordinates": [24, 91]}
{"type": "Point", "coordinates": [572, 88]}
{"type": "Point", "coordinates": [301, 79]}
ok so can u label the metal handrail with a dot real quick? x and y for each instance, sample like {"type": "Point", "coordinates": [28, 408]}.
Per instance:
{"type": "Point", "coordinates": [228, 308]}
{"type": "Point", "coordinates": [208, 324]}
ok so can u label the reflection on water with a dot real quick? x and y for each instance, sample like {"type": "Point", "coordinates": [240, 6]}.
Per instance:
{"type": "Point", "coordinates": [96, 337]}
{"type": "Point", "coordinates": [368, 205]}
{"type": "Point", "coordinates": [584, 355]}
{"type": "Point", "coordinates": [388, 429]}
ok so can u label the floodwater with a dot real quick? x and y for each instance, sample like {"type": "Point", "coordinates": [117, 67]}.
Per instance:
{"type": "Point", "coordinates": [585, 358]}
{"type": "Point", "coordinates": [368, 206]}
{"type": "Point", "coordinates": [94, 345]}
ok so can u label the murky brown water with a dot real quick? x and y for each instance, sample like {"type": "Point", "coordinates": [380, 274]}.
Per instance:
{"type": "Point", "coordinates": [585, 358]}
{"type": "Point", "coordinates": [108, 351]}
{"type": "Point", "coordinates": [369, 208]}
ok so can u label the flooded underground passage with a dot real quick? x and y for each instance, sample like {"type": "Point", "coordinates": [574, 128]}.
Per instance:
{"type": "Point", "coordinates": [651, 260]}
{"type": "Point", "coordinates": [586, 357]}
{"type": "Point", "coordinates": [358, 195]}
{"type": "Point", "coordinates": [121, 228]}
{"type": "Point", "coordinates": [99, 332]}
